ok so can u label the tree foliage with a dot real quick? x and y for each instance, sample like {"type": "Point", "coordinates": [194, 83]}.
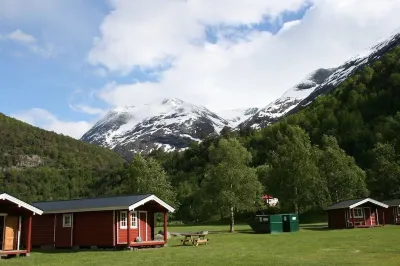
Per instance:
{"type": "Point", "coordinates": [229, 182]}
{"type": "Point", "coordinates": [146, 176]}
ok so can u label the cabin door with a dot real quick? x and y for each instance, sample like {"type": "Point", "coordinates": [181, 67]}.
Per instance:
{"type": "Point", "coordinates": [370, 218]}
{"type": "Point", "coordinates": [10, 233]}
{"type": "Point", "coordinates": [143, 225]}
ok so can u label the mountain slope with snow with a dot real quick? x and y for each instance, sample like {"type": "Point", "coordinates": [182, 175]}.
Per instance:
{"type": "Point", "coordinates": [237, 116]}
{"type": "Point", "coordinates": [170, 124]}
{"type": "Point", "coordinates": [317, 83]}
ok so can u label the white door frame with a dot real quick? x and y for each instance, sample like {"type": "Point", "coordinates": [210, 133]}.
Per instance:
{"type": "Point", "coordinates": [370, 215]}
{"type": "Point", "coordinates": [139, 225]}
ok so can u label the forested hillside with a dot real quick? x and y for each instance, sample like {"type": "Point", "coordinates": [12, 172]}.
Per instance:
{"type": "Point", "coordinates": [343, 145]}
{"type": "Point", "coordinates": [40, 165]}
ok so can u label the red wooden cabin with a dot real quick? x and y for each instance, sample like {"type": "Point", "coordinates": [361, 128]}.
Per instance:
{"type": "Point", "coordinates": [99, 222]}
{"type": "Point", "coordinates": [355, 213]}
{"type": "Point", "coordinates": [392, 213]}
{"type": "Point", "coordinates": [15, 225]}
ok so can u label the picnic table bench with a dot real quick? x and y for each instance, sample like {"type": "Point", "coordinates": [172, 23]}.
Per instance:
{"type": "Point", "coordinates": [194, 239]}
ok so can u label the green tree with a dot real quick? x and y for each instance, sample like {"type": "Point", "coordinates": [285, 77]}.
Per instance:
{"type": "Point", "coordinates": [294, 177]}
{"type": "Point", "coordinates": [229, 181]}
{"type": "Point", "coordinates": [343, 178]}
{"type": "Point", "coordinates": [384, 175]}
{"type": "Point", "coordinates": [147, 176]}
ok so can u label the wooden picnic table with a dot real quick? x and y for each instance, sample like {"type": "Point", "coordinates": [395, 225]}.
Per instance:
{"type": "Point", "coordinates": [194, 238]}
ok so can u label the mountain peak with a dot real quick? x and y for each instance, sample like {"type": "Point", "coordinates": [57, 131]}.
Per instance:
{"type": "Point", "coordinates": [168, 123]}
{"type": "Point", "coordinates": [317, 83]}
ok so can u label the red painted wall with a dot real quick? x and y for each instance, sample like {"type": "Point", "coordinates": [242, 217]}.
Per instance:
{"type": "Point", "coordinates": [390, 215]}
{"type": "Point", "coordinates": [93, 229]}
{"type": "Point", "coordinates": [42, 229]}
{"type": "Point", "coordinates": [336, 219]}
{"type": "Point", "coordinates": [134, 232]}
{"type": "Point", "coordinates": [89, 229]}
{"type": "Point", "coordinates": [123, 232]}
{"type": "Point", "coordinates": [63, 234]}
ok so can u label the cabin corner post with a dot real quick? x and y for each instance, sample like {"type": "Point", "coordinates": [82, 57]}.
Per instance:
{"type": "Point", "coordinates": [352, 218]}
{"type": "Point", "coordinates": [29, 235]}
{"type": "Point", "coordinates": [165, 227]}
{"type": "Point", "coordinates": [128, 226]}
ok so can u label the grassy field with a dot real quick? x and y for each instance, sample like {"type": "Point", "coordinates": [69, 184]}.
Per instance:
{"type": "Point", "coordinates": [312, 245]}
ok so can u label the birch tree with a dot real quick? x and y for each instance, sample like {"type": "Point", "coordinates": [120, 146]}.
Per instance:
{"type": "Point", "coordinates": [344, 179]}
{"type": "Point", "coordinates": [229, 182]}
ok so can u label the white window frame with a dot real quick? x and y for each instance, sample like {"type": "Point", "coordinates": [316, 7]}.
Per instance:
{"type": "Point", "coordinates": [361, 213]}
{"type": "Point", "coordinates": [398, 210]}
{"type": "Point", "coordinates": [123, 219]}
{"type": "Point", "coordinates": [70, 220]}
{"type": "Point", "coordinates": [134, 219]}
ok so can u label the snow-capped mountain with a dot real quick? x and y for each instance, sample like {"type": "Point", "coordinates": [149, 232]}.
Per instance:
{"type": "Point", "coordinates": [289, 100]}
{"type": "Point", "coordinates": [170, 124]}
{"type": "Point", "coordinates": [317, 83]}
{"type": "Point", "coordinates": [237, 116]}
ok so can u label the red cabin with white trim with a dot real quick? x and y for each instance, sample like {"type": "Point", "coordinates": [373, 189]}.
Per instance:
{"type": "Point", "coordinates": [356, 213]}
{"type": "Point", "coordinates": [15, 225]}
{"type": "Point", "coordinates": [122, 221]}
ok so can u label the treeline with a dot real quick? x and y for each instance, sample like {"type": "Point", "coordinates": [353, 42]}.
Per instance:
{"type": "Point", "coordinates": [344, 145]}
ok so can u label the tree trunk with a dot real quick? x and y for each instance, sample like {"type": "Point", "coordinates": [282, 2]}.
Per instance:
{"type": "Point", "coordinates": [232, 226]}
{"type": "Point", "coordinates": [296, 206]}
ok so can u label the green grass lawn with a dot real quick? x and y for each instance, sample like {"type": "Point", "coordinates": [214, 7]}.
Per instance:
{"type": "Point", "coordinates": [309, 246]}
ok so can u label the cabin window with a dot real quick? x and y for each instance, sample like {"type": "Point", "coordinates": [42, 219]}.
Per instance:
{"type": "Point", "coordinates": [123, 220]}
{"type": "Point", "coordinates": [358, 213]}
{"type": "Point", "coordinates": [67, 220]}
{"type": "Point", "coordinates": [133, 219]}
{"type": "Point", "coordinates": [398, 210]}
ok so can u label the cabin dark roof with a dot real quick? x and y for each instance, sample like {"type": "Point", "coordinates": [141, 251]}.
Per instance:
{"type": "Point", "coordinates": [394, 202]}
{"type": "Point", "coordinates": [90, 203]}
{"type": "Point", "coordinates": [354, 203]}
{"type": "Point", "coordinates": [344, 204]}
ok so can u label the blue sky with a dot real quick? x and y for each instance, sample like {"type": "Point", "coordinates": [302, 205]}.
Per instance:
{"type": "Point", "coordinates": [54, 82]}
{"type": "Point", "coordinates": [44, 51]}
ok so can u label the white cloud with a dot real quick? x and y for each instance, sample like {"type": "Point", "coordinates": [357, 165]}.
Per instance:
{"type": "Point", "coordinates": [20, 36]}
{"type": "Point", "coordinates": [87, 109]}
{"type": "Point", "coordinates": [250, 71]}
{"type": "Point", "coordinates": [29, 41]}
{"type": "Point", "coordinates": [44, 119]}
{"type": "Point", "coordinates": [166, 31]}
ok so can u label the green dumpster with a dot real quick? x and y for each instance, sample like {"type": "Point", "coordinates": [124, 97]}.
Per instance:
{"type": "Point", "coordinates": [290, 222]}
{"type": "Point", "coordinates": [266, 224]}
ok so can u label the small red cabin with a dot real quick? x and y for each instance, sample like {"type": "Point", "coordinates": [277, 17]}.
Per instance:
{"type": "Point", "coordinates": [355, 213]}
{"type": "Point", "coordinates": [392, 213]}
{"type": "Point", "coordinates": [15, 225]}
{"type": "Point", "coordinates": [122, 221]}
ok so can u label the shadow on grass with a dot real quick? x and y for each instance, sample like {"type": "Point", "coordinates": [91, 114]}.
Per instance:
{"type": "Point", "coordinates": [68, 251]}
{"type": "Point", "coordinates": [85, 250]}
{"type": "Point", "coordinates": [315, 227]}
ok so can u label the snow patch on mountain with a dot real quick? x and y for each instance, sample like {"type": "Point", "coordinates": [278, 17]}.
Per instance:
{"type": "Point", "coordinates": [237, 116]}
{"type": "Point", "coordinates": [317, 83]}
{"type": "Point", "coordinates": [170, 124]}
{"type": "Point", "coordinates": [287, 101]}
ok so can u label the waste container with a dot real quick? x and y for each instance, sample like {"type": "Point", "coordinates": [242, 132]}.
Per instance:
{"type": "Point", "coordinates": [290, 222]}
{"type": "Point", "coordinates": [266, 224]}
